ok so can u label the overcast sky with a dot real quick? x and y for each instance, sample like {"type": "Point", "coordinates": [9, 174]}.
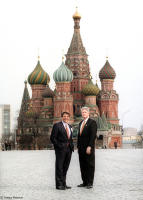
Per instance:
{"type": "Point", "coordinates": [110, 28]}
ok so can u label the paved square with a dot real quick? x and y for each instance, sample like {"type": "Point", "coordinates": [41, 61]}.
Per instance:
{"type": "Point", "coordinates": [29, 175]}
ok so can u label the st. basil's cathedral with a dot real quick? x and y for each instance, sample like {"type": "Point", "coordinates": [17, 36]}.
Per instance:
{"type": "Point", "coordinates": [74, 89]}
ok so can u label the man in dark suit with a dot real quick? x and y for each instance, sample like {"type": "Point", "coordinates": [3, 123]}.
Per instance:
{"type": "Point", "coordinates": [86, 148]}
{"type": "Point", "coordinates": [61, 137]}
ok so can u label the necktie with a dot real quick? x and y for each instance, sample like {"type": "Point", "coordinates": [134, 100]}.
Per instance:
{"type": "Point", "coordinates": [67, 130]}
{"type": "Point", "coordinates": [83, 124]}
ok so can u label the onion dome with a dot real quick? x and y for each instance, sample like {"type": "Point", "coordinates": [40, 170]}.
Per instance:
{"type": "Point", "coordinates": [63, 74]}
{"type": "Point", "coordinates": [90, 89]}
{"type": "Point", "coordinates": [76, 14]}
{"type": "Point", "coordinates": [47, 93]}
{"type": "Point", "coordinates": [107, 72]}
{"type": "Point", "coordinates": [38, 76]}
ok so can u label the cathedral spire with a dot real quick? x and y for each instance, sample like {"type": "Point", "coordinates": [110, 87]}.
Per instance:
{"type": "Point", "coordinates": [76, 18]}
{"type": "Point", "coordinates": [77, 62]}
{"type": "Point", "coordinates": [76, 46]}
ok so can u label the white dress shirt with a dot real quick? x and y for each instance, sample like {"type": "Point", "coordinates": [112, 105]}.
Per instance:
{"type": "Point", "coordinates": [65, 124]}
{"type": "Point", "coordinates": [83, 122]}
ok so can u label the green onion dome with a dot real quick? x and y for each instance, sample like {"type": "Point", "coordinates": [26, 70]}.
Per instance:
{"type": "Point", "coordinates": [90, 89]}
{"type": "Point", "coordinates": [38, 76]}
{"type": "Point", "coordinates": [63, 74]}
{"type": "Point", "coordinates": [47, 93]}
{"type": "Point", "coordinates": [107, 72]}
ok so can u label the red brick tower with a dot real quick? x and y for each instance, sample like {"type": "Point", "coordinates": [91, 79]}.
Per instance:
{"type": "Point", "coordinates": [48, 108]}
{"type": "Point", "coordinates": [108, 98]}
{"type": "Point", "coordinates": [63, 99]}
{"type": "Point", "coordinates": [77, 61]}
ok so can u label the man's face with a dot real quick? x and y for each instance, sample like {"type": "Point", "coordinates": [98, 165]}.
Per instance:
{"type": "Point", "coordinates": [85, 114]}
{"type": "Point", "coordinates": [66, 118]}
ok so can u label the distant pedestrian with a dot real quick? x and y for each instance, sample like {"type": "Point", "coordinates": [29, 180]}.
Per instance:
{"type": "Point", "coordinates": [10, 146]}
{"type": "Point", "coordinates": [115, 145]}
{"type": "Point", "coordinates": [6, 146]}
{"type": "Point", "coordinates": [3, 146]}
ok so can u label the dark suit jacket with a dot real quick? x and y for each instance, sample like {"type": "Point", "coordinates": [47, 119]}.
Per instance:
{"type": "Point", "coordinates": [88, 136]}
{"type": "Point", "coordinates": [59, 137]}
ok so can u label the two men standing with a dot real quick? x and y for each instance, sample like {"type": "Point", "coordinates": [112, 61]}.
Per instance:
{"type": "Point", "coordinates": [61, 137]}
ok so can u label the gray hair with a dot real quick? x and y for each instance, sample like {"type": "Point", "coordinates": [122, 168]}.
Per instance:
{"type": "Point", "coordinates": [85, 108]}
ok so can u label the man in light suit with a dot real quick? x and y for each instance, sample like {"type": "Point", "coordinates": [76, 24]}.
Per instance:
{"type": "Point", "coordinates": [86, 148]}
{"type": "Point", "coordinates": [61, 137]}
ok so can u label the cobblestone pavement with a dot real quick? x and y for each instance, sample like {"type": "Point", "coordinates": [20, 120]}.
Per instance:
{"type": "Point", "coordinates": [29, 175]}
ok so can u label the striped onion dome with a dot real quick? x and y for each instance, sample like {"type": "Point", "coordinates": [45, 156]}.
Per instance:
{"type": "Point", "coordinates": [107, 72]}
{"type": "Point", "coordinates": [38, 76]}
{"type": "Point", "coordinates": [47, 93]}
{"type": "Point", "coordinates": [90, 89]}
{"type": "Point", "coordinates": [63, 74]}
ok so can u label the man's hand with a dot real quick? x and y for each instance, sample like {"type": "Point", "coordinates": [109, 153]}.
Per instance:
{"type": "Point", "coordinates": [88, 150]}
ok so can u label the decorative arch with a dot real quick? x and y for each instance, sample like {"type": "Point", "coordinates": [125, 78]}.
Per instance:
{"type": "Point", "coordinates": [113, 96]}
{"type": "Point", "coordinates": [105, 96]}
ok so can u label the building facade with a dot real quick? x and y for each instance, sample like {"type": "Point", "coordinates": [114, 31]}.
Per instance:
{"type": "Point", "coordinates": [5, 120]}
{"type": "Point", "coordinates": [131, 136]}
{"type": "Point", "coordinates": [129, 131]}
{"type": "Point", "coordinates": [74, 89]}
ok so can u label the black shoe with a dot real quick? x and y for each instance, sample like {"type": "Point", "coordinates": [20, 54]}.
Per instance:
{"type": "Point", "coordinates": [89, 186]}
{"type": "Point", "coordinates": [67, 187]}
{"type": "Point", "coordinates": [81, 185]}
{"type": "Point", "coordinates": [60, 188]}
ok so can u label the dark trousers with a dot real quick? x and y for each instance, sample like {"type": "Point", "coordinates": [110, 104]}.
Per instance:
{"type": "Point", "coordinates": [87, 166]}
{"type": "Point", "coordinates": [63, 158]}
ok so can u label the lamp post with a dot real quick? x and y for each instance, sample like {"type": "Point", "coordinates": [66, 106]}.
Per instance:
{"type": "Point", "coordinates": [15, 139]}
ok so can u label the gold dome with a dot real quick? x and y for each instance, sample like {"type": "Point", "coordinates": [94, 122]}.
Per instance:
{"type": "Point", "coordinates": [76, 14]}
{"type": "Point", "coordinates": [90, 89]}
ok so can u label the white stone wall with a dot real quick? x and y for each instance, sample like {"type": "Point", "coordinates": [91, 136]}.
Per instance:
{"type": "Point", "coordinates": [130, 131]}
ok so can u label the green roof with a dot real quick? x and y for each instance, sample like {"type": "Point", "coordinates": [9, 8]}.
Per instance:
{"type": "Point", "coordinates": [25, 99]}
{"type": "Point", "coordinates": [102, 123]}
